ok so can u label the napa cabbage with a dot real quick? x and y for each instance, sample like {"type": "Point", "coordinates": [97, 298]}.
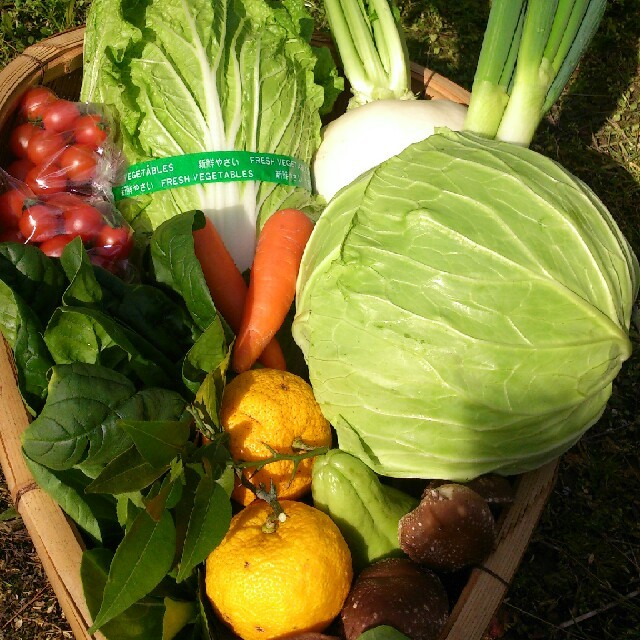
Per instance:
{"type": "Point", "coordinates": [191, 76]}
{"type": "Point", "coordinates": [464, 308]}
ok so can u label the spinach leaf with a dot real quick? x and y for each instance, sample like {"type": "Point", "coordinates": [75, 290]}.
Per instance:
{"type": "Point", "coordinates": [79, 421]}
{"type": "Point", "coordinates": [126, 473]}
{"type": "Point", "coordinates": [79, 414]}
{"type": "Point", "coordinates": [37, 279]}
{"type": "Point", "coordinates": [84, 289]}
{"type": "Point", "coordinates": [208, 524]}
{"type": "Point", "coordinates": [23, 331]}
{"type": "Point", "coordinates": [159, 317]}
{"type": "Point", "coordinates": [154, 312]}
{"type": "Point", "coordinates": [77, 334]}
{"type": "Point", "coordinates": [211, 352]}
{"type": "Point", "coordinates": [142, 619]}
{"type": "Point", "coordinates": [158, 442]}
{"type": "Point", "coordinates": [142, 560]}
{"type": "Point", "coordinates": [176, 265]}
{"type": "Point", "coordinates": [152, 404]}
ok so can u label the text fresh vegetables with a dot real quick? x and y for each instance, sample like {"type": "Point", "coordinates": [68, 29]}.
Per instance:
{"type": "Point", "coordinates": [199, 76]}
{"type": "Point", "coordinates": [464, 321]}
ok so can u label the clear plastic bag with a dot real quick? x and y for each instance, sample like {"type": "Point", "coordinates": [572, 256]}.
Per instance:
{"type": "Point", "coordinates": [57, 185]}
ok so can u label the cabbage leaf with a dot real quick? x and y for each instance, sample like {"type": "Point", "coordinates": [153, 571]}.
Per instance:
{"type": "Point", "coordinates": [188, 76]}
{"type": "Point", "coordinates": [464, 308]}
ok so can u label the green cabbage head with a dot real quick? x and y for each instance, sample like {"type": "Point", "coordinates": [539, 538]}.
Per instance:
{"type": "Point", "coordinates": [464, 308]}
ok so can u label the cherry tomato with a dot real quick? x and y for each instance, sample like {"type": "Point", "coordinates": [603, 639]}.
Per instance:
{"type": "Point", "coordinates": [19, 168]}
{"type": "Point", "coordinates": [46, 179]}
{"type": "Point", "coordinates": [60, 116]}
{"type": "Point", "coordinates": [79, 163]}
{"type": "Point", "coordinates": [34, 100]}
{"type": "Point", "coordinates": [12, 235]}
{"type": "Point", "coordinates": [84, 221]}
{"type": "Point", "coordinates": [54, 246]}
{"type": "Point", "coordinates": [20, 138]}
{"type": "Point", "coordinates": [64, 200]}
{"type": "Point", "coordinates": [41, 222]}
{"type": "Point", "coordinates": [44, 146]}
{"type": "Point", "coordinates": [114, 242]}
{"type": "Point", "coordinates": [12, 203]}
{"type": "Point", "coordinates": [90, 129]}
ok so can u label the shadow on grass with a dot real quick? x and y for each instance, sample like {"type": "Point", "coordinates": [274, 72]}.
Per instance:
{"type": "Point", "coordinates": [589, 131]}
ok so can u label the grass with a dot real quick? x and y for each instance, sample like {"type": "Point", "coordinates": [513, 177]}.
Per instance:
{"type": "Point", "coordinates": [25, 22]}
{"type": "Point", "coordinates": [580, 578]}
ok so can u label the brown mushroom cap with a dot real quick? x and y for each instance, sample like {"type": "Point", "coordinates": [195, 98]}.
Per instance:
{"type": "Point", "coordinates": [495, 489]}
{"type": "Point", "coordinates": [397, 593]}
{"type": "Point", "coordinates": [450, 529]}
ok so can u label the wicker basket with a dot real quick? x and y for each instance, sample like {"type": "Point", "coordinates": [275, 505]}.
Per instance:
{"type": "Point", "coordinates": [57, 63]}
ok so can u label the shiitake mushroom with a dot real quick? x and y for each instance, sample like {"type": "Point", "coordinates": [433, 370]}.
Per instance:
{"type": "Point", "coordinates": [495, 489]}
{"type": "Point", "coordinates": [450, 529]}
{"type": "Point", "coordinates": [397, 593]}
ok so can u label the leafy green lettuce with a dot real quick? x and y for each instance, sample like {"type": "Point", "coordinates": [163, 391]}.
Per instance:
{"type": "Point", "coordinates": [464, 308]}
{"type": "Point", "coordinates": [187, 76]}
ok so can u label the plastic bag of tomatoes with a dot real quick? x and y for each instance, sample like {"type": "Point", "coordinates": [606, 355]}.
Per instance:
{"type": "Point", "coordinates": [57, 184]}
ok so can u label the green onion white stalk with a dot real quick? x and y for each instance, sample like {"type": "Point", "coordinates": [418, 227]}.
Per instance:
{"type": "Point", "coordinates": [529, 52]}
{"type": "Point", "coordinates": [372, 49]}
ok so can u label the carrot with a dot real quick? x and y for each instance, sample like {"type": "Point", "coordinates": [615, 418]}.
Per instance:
{"type": "Point", "coordinates": [228, 288]}
{"type": "Point", "coordinates": [272, 283]}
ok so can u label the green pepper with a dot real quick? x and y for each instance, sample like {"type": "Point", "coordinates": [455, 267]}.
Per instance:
{"type": "Point", "coordinates": [366, 511]}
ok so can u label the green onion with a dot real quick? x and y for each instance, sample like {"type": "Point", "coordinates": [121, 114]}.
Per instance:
{"type": "Point", "coordinates": [490, 91]}
{"type": "Point", "coordinates": [372, 49]}
{"type": "Point", "coordinates": [529, 52]}
{"type": "Point", "coordinates": [572, 52]}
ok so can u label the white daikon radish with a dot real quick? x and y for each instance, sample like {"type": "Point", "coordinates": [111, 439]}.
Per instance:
{"type": "Point", "coordinates": [364, 137]}
{"type": "Point", "coordinates": [383, 117]}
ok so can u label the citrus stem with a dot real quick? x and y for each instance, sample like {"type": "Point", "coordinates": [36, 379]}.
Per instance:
{"type": "Point", "coordinates": [296, 458]}
{"type": "Point", "coordinates": [274, 519]}
{"type": "Point", "coordinates": [277, 514]}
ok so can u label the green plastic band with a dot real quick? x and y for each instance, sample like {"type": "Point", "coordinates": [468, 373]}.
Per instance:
{"type": "Point", "coordinates": [212, 166]}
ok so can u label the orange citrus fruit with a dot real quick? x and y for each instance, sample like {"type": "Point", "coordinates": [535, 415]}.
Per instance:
{"type": "Point", "coordinates": [263, 407]}
{"type": "Point", "coordinates": [270, 585]}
